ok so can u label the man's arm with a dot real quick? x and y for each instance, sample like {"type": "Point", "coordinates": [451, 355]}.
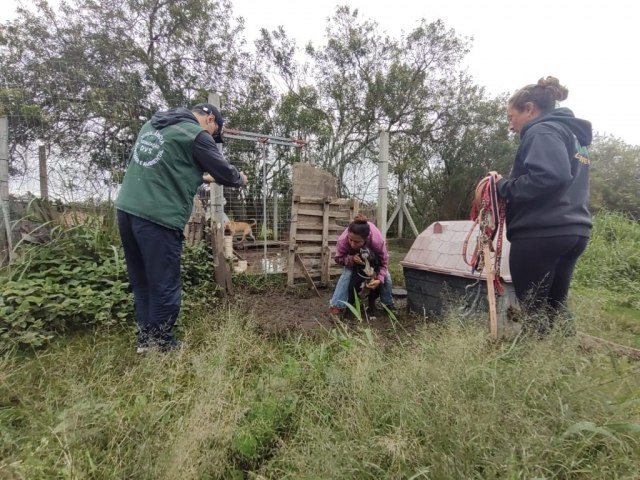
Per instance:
{"type": "Point", "coordinates": [210, 159]}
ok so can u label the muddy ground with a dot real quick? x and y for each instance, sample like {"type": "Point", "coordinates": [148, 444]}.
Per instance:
{"type": "Point", "coordinates": [302, 310]}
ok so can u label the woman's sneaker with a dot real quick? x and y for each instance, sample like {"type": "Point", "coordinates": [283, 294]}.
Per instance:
{"type": "Point", "coordinates": [335, 313]}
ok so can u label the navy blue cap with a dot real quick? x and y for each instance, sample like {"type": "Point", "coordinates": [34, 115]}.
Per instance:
{"type": "Point", "coordinates": [208, 109]}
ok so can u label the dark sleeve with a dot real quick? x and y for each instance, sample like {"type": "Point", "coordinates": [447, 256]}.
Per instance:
{"type": "Point", "coordinates": [210, 159]}
{"type": "Point", "coordinates": [547, 168]}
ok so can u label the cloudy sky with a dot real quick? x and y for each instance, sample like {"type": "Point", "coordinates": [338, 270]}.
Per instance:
{"type": "Point", "coordinates": [591, 46]}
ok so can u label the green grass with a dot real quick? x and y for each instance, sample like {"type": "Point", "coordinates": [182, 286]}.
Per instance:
{"type": "Point", "coordinates": [598, 314]}
{"type": "Point", "coordinates": [441, 403]}
{"type": "Point", "coordinates": [436, 402]}
{"type": "Point", "coordinates": [397, 251]}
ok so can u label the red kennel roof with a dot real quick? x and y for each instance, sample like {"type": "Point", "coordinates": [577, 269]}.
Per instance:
{"type": "Point", "coordinates": [439, 249]}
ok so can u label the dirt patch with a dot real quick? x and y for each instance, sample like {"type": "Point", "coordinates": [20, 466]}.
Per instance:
{"type": "Point", "coordinates": [303, 310]}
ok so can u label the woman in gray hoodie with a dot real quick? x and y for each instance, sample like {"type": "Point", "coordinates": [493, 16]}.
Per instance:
{"type": "Point", "coordinates": [547, 196]}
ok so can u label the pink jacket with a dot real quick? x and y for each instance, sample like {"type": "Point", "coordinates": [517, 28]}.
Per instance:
{"type": "Point", "coordinates": [375, 242]}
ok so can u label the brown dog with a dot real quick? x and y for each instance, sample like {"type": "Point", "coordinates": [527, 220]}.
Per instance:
{"type": "Point", "coordinates": [240, 227]}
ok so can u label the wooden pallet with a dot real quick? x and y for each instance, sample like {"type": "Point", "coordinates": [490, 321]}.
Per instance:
{"type": "Point", "coordinates": [316, 224]}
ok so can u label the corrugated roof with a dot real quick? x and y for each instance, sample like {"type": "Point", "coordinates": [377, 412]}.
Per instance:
{"type": "Point", "coordinates": [442, 252]}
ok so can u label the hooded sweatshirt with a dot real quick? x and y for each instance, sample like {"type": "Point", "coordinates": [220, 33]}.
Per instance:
{"type": "Point", "coordinates": [547, 192]}
{"type": "Point", "coordinates": [165, 169]}
{"type": "Point", "coordinates": [374, 242]}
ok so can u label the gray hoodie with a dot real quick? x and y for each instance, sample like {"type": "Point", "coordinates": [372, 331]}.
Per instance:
{"type": "Point", "coordinates": [547, 192]}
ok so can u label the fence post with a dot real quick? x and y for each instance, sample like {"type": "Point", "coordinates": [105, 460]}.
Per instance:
{"type": "Point", "coordinates": [5, 224]}
{"type": "Point", "coordinates": [275, 215]}
{"type": "Point", "coordinates": [222, 273]}
{"type": "Point", "coordinates": [217, 199]}
{"type": "Point", "coordinates": [383, 187]}
{"type": "Point", "coordinates": [44, 186]}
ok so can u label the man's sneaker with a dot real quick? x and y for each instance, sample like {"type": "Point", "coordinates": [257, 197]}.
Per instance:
{"type": "Point", "coordinates": [336, 314]}
{"type": "Point", "coordinates": [174, 345]}
{"type": "Point", "coordinates": [144, 348]}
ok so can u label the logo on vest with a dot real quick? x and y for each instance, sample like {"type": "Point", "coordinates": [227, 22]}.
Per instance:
{"type": "Point", "coordinates": [148, 150]}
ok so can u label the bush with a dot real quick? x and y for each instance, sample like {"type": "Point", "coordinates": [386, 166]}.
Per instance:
{"type": "Point", "coordinates": [612, 260]}
{"type": "Point", "coordinates": [77, 279]}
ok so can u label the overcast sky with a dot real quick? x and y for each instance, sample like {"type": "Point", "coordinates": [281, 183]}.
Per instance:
{"type": "Point", "coordinates": [591, 46]}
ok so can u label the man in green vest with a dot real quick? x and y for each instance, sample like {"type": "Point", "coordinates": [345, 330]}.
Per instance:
{"type": "Point", "coordinates": [172, 152]}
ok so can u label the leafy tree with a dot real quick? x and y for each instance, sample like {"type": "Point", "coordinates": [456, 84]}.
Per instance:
{"type": "Point", "coordinates": [472, 140]}
{"type": "Point", "coordinates": [615, 175]}
{"type": "Point", "coordinates": [90, 74]}
{"type": "Point", "coordinates": [444, 131]}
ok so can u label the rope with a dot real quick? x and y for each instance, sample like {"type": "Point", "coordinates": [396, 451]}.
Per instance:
{"type": "Point", "coordinates": [487, 213]}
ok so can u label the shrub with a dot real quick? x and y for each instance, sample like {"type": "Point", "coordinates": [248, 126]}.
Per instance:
{"type": "Point", "coordinates": [77, 279]}
{"type": "Point", "coordinates": [612, 260]}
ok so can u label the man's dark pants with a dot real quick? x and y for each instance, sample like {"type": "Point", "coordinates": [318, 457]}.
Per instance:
{"type": "Point", "coordinates": [152, 253]}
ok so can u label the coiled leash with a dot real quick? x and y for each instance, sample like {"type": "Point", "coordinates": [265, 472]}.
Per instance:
{"type": "Point", "coordinates": [487, 213]}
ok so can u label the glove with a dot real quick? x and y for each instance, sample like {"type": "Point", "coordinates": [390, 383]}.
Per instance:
{"type": "Point", "coordinates": [218, 138]}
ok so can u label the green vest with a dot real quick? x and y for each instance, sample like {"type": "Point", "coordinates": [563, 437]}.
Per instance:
{"type": "Point", "coordinates": [162, 176]}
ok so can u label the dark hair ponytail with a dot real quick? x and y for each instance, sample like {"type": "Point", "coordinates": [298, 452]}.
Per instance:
{"type": "Point", "coordinates": [360, 226]}
{"type": "Point", "coordinates": [543, 95]}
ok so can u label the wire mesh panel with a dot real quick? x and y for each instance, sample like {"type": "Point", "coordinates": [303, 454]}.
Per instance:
{"type": "Point", "coordinates": [265, 203]}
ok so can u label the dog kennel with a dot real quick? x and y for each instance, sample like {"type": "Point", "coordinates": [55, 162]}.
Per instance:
{"type": "Point", "coordinates": [436, 275]}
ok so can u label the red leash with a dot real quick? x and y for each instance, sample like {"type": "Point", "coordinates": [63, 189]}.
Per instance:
{"type": "Point", "coordinates": [487, 212]}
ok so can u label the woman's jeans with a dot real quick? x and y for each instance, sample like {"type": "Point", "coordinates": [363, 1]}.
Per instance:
{"type": "Point", "coordinates": [341, 293]}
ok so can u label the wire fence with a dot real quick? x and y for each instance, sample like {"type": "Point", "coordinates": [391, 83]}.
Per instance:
{"type": "Point", "coordinates": [73, 150]}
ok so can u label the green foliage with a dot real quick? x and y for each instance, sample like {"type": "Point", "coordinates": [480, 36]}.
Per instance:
{"type": "Point", "coordinates": [261, 283]}
{"type": "Point", "coordinates": [86, 76]}
{"type": "Point", "coordinates": [77, 279]}
{"type": "Point", "coordinates": [355, 309]}
{"type": "Point", "coordinates": [442, 403]}
{"type": "Point", "coordinates": [615, 176]}
{"type": "Point", "coordinates": [397, 251]}
{"type": "Point", "coordinates": [269, 416]}
{"type": "Point", "coordinates": [265, 233]}
{"type": "Point", "coordinates": [612, 260]}
{"type": "Point", "coordinates": [473, 141]}
{"type": "Point", "coordinates": [198, 278]}
{"type": "Point", "coordinates": [445, 133]}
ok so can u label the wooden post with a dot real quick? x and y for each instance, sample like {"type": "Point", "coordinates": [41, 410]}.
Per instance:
{"type": "Point", "coordinates": [491, 294]}
{"type": "Point", "coordinates": [383, 187]}
{"type": "Point", "coordinates": [307, 275]}
{"type": "Point", "coordinates": [42, 161]}
{"type": "Point", "coordinates": [401, 211]}
{"type": "Point", "coordinates": [264, 202]}
{"type": "Point", "coordinates": [275, 216]}
{"type": "Point", "coordinates": [410, 220]}
{"type": "Point", "coordinates": [291, 264]}
{"type": "Point", "coordinates": [354, 208]}
{"type": "Point", "coordinates": [222, 274]}
{"type": "Point", "coordinates": [5, 223]}
{"type": "Point", "coordinates": [326, 251]}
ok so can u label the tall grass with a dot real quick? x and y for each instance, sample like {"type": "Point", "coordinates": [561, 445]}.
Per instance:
{"type": "Point", "coordinates": [605, 294]}
{"type": "Point", "coordinates": [437, 402]}
{"type": "Point", "coordinates": [612, 259]}
{"type": "Point", "coordinates": [444, 403]}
